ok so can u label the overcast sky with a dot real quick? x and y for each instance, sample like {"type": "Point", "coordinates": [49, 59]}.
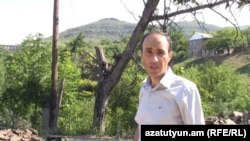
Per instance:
{"type": "Point", "coordinates": [20, 18]}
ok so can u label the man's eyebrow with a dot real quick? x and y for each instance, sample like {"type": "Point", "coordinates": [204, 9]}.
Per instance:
{"type": "Point", "coordinates": [149, 48]}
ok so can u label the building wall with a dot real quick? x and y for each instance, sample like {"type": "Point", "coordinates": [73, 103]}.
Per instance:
{"type": "Point", "coordinates": [197, 48]}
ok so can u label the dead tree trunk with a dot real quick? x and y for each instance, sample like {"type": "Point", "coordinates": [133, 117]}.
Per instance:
{"type": "Point", "coordinates": [108, 78]}
{"type": "Point", "coordinates": [101, 94]}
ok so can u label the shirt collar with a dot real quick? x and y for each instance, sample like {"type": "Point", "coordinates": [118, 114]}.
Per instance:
{"type": "Point", "coordinates": [165, 82]}
{"type": "Point", "coordinates": [167, 79]}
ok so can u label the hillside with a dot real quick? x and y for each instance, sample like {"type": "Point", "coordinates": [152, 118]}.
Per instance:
{"type": "Point", "coordinates": [105, 28]}
{"type": "Point", "coordinates": [115, 29]}
{"type": "Point", "coordinates": [188, 27]}
{"type": "Point", "coordinates": [239, 62]}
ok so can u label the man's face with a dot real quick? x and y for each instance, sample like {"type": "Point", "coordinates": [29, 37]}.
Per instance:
{"type": "Point", "coordinates": [156, 55]}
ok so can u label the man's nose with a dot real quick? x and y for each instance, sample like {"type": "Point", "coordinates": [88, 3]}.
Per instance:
{"type": "Point", "coordinates": [154, 58]}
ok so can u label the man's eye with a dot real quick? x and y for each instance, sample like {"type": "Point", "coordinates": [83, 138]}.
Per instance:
{"type": "Point", "coordinates": [161, 52]}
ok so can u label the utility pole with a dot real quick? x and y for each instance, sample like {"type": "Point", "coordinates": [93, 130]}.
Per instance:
{"type": "Point", "coordinates": [53, 96]}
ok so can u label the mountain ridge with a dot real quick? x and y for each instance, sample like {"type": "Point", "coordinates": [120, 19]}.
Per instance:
{"type": "Point", "coordinates": [115, 29]}
{"type": "Point", "coordinates": [104, 28]}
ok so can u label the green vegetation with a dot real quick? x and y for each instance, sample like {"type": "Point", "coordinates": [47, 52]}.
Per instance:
{"type": "Point", "coordinates": [223, 87]}
{"type": "Point", "coordinates": [226, 39]}
{"type": "Point", "coordinates": [2, 70]}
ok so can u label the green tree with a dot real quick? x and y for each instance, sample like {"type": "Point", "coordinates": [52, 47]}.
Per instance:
{"type": "Point", "coordinates": [226, 39]}
{"type": "Point", "coordinates": [179, 45]}
{"type": "Point", "coordinates": [246, 32]}
{"type": "Point", "coordinates": [71, 108]}
{"type": "Point", "coordinates": [27, 85]}
{"type": "Point", "coordinates": [27, 78]}
{"type": "Point", "coordinates": [81, 53]}
{"type": "Point", "coordinates": [3, 53]}
{"type": "Point", "coordinates": [124, 100]}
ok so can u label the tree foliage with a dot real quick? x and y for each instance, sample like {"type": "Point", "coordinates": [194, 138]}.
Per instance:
{"type": "Point", "coordinates": [179, 45]}
{"type": "Point", "coordinates": [226, 39]}
{"type": "Point", "coordinates": [219, 86]}
{"type": "Point", "coordinates": [246, 33]}
{"type": "Point", "coordinates": [27, 78]}
{"type": "Point", "coordinates": [3, 54]}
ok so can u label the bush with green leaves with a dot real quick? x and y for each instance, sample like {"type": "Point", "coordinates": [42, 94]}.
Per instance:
{"type": "Point", "coordinates": [27, 78]}
{"type": "Point", "coordinates": [75, 116]}
{"type": "Point", "coordinates": [123, 102]}
{"type": "Point", "coordinates": [28, 86]}
{"type": "Point", "coordinates": [220, 87]}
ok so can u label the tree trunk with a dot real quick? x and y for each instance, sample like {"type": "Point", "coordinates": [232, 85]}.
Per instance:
{"type": "Point", "coordinates": [108, 78]}
{"type": "Point", "coordinates": [53, 97]}
{"type": "Point", "coordinates": [101, 102]}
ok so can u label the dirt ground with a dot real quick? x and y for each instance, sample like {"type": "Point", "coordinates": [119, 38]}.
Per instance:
{"type": "Point", "coordinates": [91, 138]}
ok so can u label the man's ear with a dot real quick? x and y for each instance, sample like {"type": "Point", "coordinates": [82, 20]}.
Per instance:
{"type": "Point", "coordinates": [170, 54]}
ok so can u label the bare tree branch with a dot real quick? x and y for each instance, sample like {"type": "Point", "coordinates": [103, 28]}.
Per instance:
{"type": "Point", "coordinates": [138, 64]}
{"type": "Point", "coordinates": [201, 24]}
{"type": "Point", "coordinates": [90, 55]}
{"type": "Point", "coordinates": [236, 26]}
{"type": "Point", "coordinates": [209, 5]}
{"type": "Point", "coordinates": [130, 12]}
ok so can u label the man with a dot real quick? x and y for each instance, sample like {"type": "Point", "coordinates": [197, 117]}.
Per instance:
{"type": "Point", "coordinates": [165, 98]}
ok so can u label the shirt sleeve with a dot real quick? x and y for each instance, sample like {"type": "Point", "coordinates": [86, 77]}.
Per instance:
{"type": "Point", "coordinates": [191, 107]}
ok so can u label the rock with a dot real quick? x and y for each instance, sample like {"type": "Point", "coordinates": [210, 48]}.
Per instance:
{"type": "Point", "coordinates": [234, 118]}
{"type": "Point", "coordinates": [229, 122]}
{"type": "Point", "coordinates": [34, 138]}
{"type": "Point", "coordinates": [19, 135]}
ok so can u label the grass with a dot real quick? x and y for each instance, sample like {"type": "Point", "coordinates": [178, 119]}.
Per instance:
{"type": "Point", "coordinates": [238, 62]}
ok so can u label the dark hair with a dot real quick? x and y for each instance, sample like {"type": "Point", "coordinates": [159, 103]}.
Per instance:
{"type": "Point", "coordinates": [161, 33]}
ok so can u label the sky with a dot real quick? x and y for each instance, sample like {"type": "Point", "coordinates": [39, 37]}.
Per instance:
{"type": "Point", "coordinates": [19, 18]}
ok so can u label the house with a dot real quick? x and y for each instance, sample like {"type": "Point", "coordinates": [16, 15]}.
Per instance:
{"type": "Point", "coordinates": [9, 47]}
{"type": "Point", "coordinates": [196, 45]}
